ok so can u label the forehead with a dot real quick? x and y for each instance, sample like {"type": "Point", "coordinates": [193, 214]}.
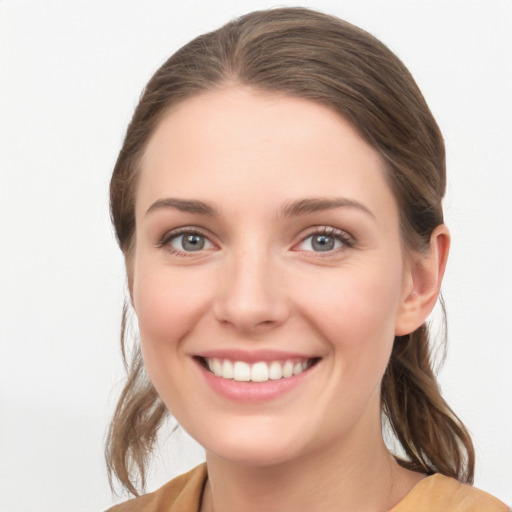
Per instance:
{"type": "Point", "coordinates": [264, 146]}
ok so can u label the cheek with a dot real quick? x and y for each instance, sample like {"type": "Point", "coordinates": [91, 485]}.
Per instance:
{"type": "Point", "coordinates": [167, 305]}
{"type": "Point", "coordinates": [356, 301]}
{"type": "Point", "coordinates": [356, 314]}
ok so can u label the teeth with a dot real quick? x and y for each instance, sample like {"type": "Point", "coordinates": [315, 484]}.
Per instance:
{"type": "Point", "coordinates": [275, 371]}
{"type": "Point", "coordinates": [259, 372]}
{"type": "Point", "coordinates": [256, 372]}
{"type": "Point", "coordinates": [227, 370]}
{"type": "Point", "coordinates": [216, 367]}
{"type": "Point", "coordinates": [242, 371]}
{"type": "Point", "coordinates": [288, 369]}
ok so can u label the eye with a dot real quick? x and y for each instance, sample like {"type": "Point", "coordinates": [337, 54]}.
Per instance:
{"type": "Point", "coordinates": [325, 240]}
{"type": "Point", "coordinates": [186, 242]}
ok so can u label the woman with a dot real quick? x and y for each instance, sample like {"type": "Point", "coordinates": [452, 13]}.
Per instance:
{"type": "Point", "coordinates": [278, 202]}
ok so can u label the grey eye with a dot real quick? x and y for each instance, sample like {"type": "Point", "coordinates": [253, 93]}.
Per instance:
{"type": "Point", "coordinates": [322, 243]}
{"type": "Point", "coordinates": [189, 242]}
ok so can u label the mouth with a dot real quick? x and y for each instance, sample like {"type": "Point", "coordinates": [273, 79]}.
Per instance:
{"type": "Point", "coordinates": [260, 371]}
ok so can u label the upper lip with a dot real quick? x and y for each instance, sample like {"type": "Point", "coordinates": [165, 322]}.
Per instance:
{"type": "Point", "coordinates": [252, 356]}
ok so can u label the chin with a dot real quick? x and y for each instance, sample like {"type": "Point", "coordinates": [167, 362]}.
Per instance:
{"type": "Point", "coordinates": [255, 450]}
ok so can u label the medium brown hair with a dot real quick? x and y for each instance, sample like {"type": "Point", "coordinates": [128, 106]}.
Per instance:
{"type": "Point", "coordinates": [317, 57]}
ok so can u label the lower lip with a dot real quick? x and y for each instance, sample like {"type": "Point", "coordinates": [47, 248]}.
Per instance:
{"type": "Point", "coordinates": [253, 392]}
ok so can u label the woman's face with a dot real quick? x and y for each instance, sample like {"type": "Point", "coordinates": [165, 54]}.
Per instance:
{"type": "Point", "coordinates": [267, 249]}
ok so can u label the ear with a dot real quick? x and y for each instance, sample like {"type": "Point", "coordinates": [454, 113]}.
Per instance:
{"type": "Point", "coordinates": [422, 282]}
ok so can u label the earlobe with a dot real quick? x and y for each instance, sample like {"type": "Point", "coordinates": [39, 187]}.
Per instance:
{"type": "Point", "coordinates": [424, 282]}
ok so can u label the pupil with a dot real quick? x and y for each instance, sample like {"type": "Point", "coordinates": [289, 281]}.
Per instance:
{"type": "Point", "coordinates": [323, 243]}
{"type": "Point", "coordinates": [192, 242]}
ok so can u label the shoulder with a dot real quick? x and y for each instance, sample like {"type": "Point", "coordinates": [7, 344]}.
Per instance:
{"type": "Point", "coordinates": [181, 494]}
{"type": "Point", "coordinates": [441, 493]}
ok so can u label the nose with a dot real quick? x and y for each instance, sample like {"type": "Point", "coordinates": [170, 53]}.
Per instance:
{"type": "Point", "coordinates": [251, 297]}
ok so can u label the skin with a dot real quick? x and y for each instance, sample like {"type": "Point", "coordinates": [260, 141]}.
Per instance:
{"type": "Point", "coordinates": [259, 284]}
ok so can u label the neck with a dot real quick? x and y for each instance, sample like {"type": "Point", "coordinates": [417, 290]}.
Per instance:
{"type": "Point", "coordinates": [360, 475]}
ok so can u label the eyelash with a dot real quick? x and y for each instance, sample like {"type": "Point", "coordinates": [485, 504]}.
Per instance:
{"type": "Point", "coordinates": [166, 240]}
{"type": "Point", "coordinates": [346, 240]}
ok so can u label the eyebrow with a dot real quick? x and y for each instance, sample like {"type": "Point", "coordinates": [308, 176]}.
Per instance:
{"type": "Point", "coordinates": [311, 205]}
{"type": "Point", "coordinates": [184, 205]}
{"type": "Point", "coordinates": [290, 209]}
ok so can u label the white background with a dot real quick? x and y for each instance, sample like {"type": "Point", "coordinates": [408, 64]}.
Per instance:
{"type": "Point", "coordinates": [70, 76]}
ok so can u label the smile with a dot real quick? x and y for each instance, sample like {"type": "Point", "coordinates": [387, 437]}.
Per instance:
{"type": "Point", "coordinates": [261, 371]}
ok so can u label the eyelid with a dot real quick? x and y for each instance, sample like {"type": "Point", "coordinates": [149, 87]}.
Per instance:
{"type": "Point", "coordinates": [346, 239]}
{"type": "Point", "coordinates": [168, 236]}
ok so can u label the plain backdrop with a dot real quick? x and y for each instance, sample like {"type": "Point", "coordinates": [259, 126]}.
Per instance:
{"type": "Point", "coordinates": [70, 76]}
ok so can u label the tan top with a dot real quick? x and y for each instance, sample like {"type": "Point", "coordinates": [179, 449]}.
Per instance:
{"type": "Point", "coordinates": [439, 493]}
{"type": "Point", "coordinates": [436, 493]}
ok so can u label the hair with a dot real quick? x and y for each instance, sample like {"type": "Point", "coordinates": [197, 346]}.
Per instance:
{"type": "Point", "coordinates": [314, 56]}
